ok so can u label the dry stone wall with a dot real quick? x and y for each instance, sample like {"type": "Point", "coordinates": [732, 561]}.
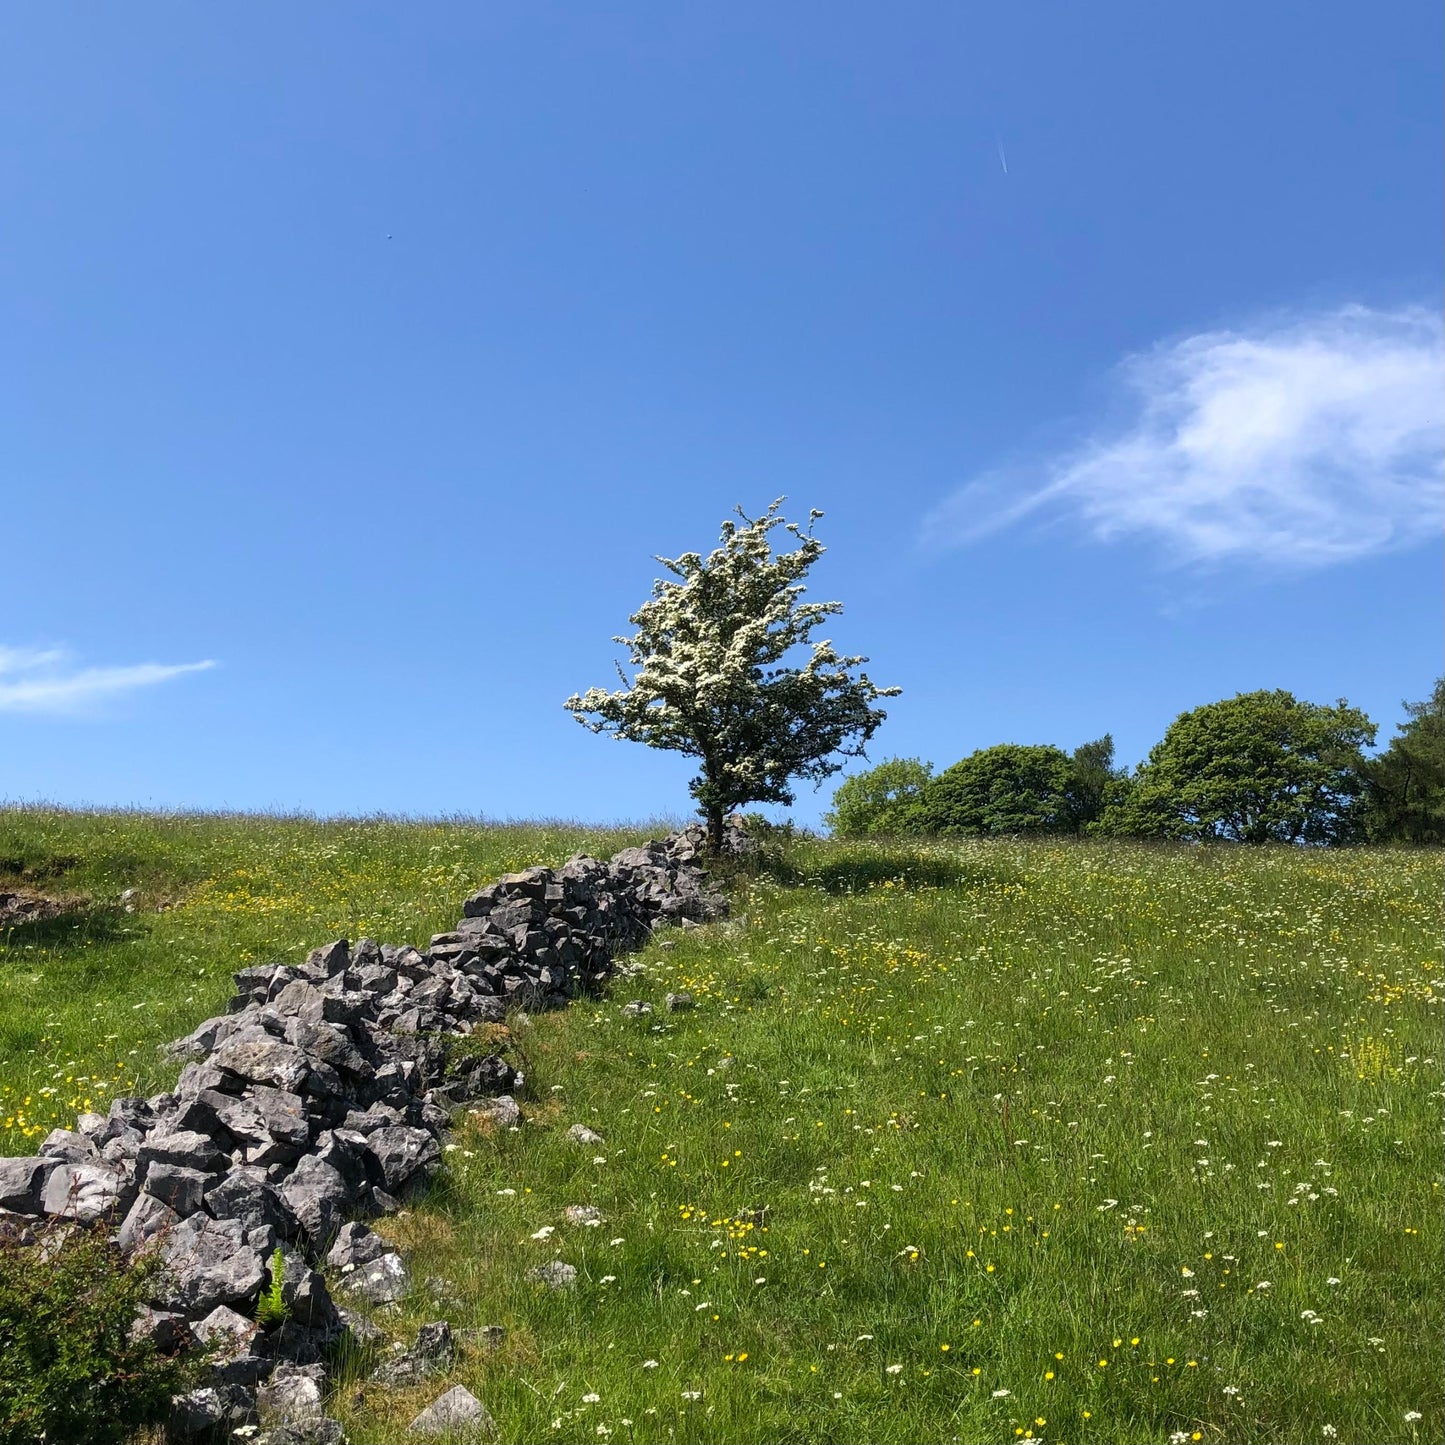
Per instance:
{"type": "Point", "coordinates": [315, 1103]}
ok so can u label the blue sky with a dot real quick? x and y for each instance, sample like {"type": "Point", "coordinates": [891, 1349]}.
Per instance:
{"type": "Point", "coordinates": [369, 352]}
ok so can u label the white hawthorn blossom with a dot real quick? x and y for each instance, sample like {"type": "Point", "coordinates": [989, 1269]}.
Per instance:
{"type": "Point", "coordinates": [711, 677]}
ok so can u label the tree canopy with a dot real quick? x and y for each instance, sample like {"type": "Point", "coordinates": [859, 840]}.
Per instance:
{"type": "Point", "coordinates": [1260, 767]}
{"type": "Point", "coordinates": [1405, 785]}
{"type": "Point", "coordinates": [713, 677]}
{"type": "Point", "coordinates": [881, 802]}
{"type": "Point", "coordinates": [1010, 788]}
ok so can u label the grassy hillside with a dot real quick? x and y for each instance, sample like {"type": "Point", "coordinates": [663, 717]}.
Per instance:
{"type": "Point", "coordinates": [985, 1142]}
{"type": "Point", "coordinates": [87, 999]}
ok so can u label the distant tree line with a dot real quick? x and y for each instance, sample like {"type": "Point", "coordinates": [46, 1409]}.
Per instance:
{"type": "Point", "coordinates": [1261, 767]}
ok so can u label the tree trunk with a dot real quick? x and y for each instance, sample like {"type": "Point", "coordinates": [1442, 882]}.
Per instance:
{"type": "Point", "coordinates": [715, 831]}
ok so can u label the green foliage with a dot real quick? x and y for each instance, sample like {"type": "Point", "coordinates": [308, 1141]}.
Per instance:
{"type": "Point", "coordinates": [1261, 767]}
{"type": "Point", "coordinates": [1003, 790]}
{"type": "Point", "coordinates": [881, 802]}
{"type": "Point", "coordinates": [271, 1308]}
{"type": "Point", "coordinates": [1091, 776]}
{"type": "Point", "coordinates": [69, 1371]}
{"type": "Point", "coordinates": [1405, 785]}
{"type": "Point", "coordinates": [712, 678]}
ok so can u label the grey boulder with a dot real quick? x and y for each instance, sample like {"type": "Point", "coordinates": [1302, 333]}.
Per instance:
{"type": "Point", "coordinates": [291, 1397]}
{"type": "Point", "coordinates": [245, 1194]}
{"type": "Point", "coordinates": [317, 1195]}
{"type": "Point", "coordinates": [355, 1245]}
{"type": "Point", "coordinates": [175, 1185]}
{"type": "Point", "coordinates": [403, 1152]}
{"type": "Point", "coordinates": [69, 1145]}
{"type": "Point", "coordinates": [22, 1183]}
{"type": "Point", "coordinates": [209, 1263]}
{"type": "Point", "coordinates": [147, 1217]}
{"type": "Point", "coordinates": [197, 1412]}
{"type": "Point", "coordinates": [185, 1148]}
{"type": "Point", "coordinates": [458, 1412]}
{"type": "Point", "coordinates": [85, 1192]}
{"type": "Point", "coordinates": [264, 1061]}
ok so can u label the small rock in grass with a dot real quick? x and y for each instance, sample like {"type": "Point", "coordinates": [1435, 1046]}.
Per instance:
{"type": "Point", "coordinates": [581, 1134]}
{"type": "Point", "coordinates": [362, 1330]}
{"type": "Point", "coordinates": [679, 1002]}
{"type": "Point", "coordinates": [502, 1112]}
{"type": "Point", "coordinates": [555, 1275]}
{"type": "Point", "coordinates": [434, 1353]}
{"type": "Point", "coordinates": [581, 1215]}
{"type": "Point", "coordinates": [448, 1415]}
{"type": "Point", "coordinates": [487, 1337]}
{"type": "Point", "coordinates": [636, 1009]}
{"type": "Point", "coordinates": [442, 1290]}
{"type": "Point", "coordinates": [291, 1397]}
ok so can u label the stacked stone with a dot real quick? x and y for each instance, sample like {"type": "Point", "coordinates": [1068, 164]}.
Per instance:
{"type": "Point", "coordinates": [316, 1102]}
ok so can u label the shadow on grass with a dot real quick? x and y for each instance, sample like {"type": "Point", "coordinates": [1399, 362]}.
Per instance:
{"type": "Point", "coordinates": [76, 926]}
{"type": "Point", "coordinates": [845, 868]}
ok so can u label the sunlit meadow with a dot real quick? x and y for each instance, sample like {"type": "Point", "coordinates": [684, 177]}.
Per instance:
{"type": "Point", "coordinates": [981, 1142]}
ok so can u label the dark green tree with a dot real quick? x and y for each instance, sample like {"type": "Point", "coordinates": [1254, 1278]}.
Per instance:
{"type": "Point", "coordinates": [1262, 767]}
{"type": "Point", "coordinates": [1091, 772]}
{"type": "Point", "coordinates": [882, 802]}
{"type": "Point", "coordinates": [1405, 785]}
{"type": "Point", "coordinates": [1010, 788]}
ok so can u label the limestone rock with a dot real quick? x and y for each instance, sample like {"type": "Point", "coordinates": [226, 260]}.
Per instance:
{"type": "Point", "coordinates": [556, 1275]}
{"type": "Point", "coordinates": [22, 1183]}
{"type": "Point", "coordinates": [383, 1280]}
{"type": "Point", "coordinates": [453, 1416]}
{"type": "Point", "coordinates": [85, 1192]}
{"type": "Point", "coordinates": [209, 1263]}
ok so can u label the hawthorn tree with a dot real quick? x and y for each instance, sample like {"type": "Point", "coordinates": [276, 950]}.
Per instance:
{"type": "Point", "coordinates": [714, 677]}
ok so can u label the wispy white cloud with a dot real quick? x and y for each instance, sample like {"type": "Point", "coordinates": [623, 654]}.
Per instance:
{"type": "Point", "coordinates": [1296, 443]}
{"type": "Point", "coordinates": [46, 680]}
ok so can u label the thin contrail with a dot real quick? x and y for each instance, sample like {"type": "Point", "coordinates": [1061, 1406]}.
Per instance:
{"type": "Point", "coordinates": [1002, 159]}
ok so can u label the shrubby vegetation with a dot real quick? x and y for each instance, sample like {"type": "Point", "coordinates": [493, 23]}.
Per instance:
{"type": "Point", "coordinates": [1261, 767]}
{"type": "Point", "coordinates": [69, 1370]}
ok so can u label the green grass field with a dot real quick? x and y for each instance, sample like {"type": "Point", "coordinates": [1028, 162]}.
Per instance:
{"type": "Point", "coordinates": [983, 1142]}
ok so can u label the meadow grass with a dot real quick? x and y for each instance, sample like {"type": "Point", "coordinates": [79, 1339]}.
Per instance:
{"type": "Point", "coordinates": [979, 1142]}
